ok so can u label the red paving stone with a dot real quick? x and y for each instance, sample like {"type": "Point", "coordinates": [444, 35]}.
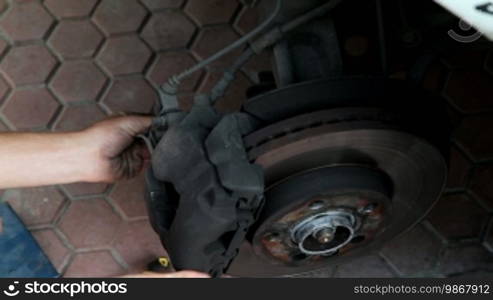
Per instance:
{"type": "Point", "coordinates": [459, 169]}
{"type": "Point", "coordinates": [76, 117]}
{"type": "Point", "coordinates": [138, 245]}
{"type": "Point", "coordinates": [30, 108]}
{"type": "Point", "coordinates": [207, 12]}
{"type": "Point", "coordinates": [94, 264]}
{"type": "Point", "coordinates": [27, 65]}
{"type": "Point", "coordinates": [3, 5]}
{"type": "Point", "coordinates": [422, 245]}
{"type": "Point", "coordinates": [108, 56]}
{"type": "Point", "coordinates": [90, 223]}
{"type": "Point", "coordinates": [463, 259]}
{"type": "Point", "coordinates": [3, 45]}
{"type": "Point", "coordinates": [119, 16]}
{"type": "Point", "coordinates": [70, 8]}
{"type": "Point", "coordinates": [75, 39]}
{"type": "Point", "coordinates": [26, 20]}
{"type": "Point", "coordinates": [36, 206]}
{"type": "Point", "coordinates": [53, 247]}
{"type": "Point", "coordinates": [247, 20]}
{"type": "Point", "coordinates": [130, 95]}
{"type": "Point", "coordinates": [77, 81]}
{"type": "Point", "coordinates": [124, 55]}
{"type": "Point", "coordinates": [82, 189]}
{"type": "Point", "coordinates": [449, 219]}
{"type": "Point", "coordinates": [4, 89]}
{"type": "Point", "coordinates": [473, 137]}
{"type": "Point", "coordinates": [3, 128]}
{"type": "Point", "coordinates": [129, 197]}
{"type": "Point", "coordinates": [481, 184]}
{"type": "Point", "coordinates": [364, 267]}
{"type": "Point", "coordinates": [161, 4]}
{"type": "Point", "coordinates": [168, 30]}
{"type": "Point", "coordinates": [489, 237]}
{"type": "Point", "coordinates": [470, 91]}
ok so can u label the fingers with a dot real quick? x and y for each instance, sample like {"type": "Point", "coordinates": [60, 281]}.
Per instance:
{"type": "Point", "coordinates": [136, 125]}
{"type": "Point", "coordinates": [131, 125]}
{"type": "Point", "coordinates": [130, 162]}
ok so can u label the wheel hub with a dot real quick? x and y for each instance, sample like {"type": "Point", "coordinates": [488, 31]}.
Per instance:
{"type": "Point", "coordinates": [318, 214]}
{"type": "Point", "coordinates": [325, 233]}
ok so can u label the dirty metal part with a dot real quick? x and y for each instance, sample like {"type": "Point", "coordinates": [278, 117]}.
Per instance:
{"type": "Point", "coordinates": [319, 204]}
{"type": "Point", "coordinates": [308, 53]}
{"type": "Point", "coordinates": [397, 103]}
{"type": "Point", "coordinates": [306, 97]}
{"type": "Point", "coordinates": [358, 161]}
{"type": "Point", "coordinates": [324, 233]}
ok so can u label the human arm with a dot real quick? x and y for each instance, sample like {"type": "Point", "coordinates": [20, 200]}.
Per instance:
{"type": "Point", "coordinates": [105, 152]}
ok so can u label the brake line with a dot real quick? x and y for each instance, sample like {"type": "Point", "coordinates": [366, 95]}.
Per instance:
{"type": "Point", "coordinates": [266, 40]}
{"type": "Point", "coordinates": [169, 90]}
{"type": "Point", "coordinates": [176, 79]}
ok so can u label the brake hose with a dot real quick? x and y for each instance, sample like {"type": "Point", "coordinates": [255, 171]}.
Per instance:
{"type": "Point", "coordinates": [176, 79]}
{"type": "Point", "coordinates": [169, 101]}
{"type": "Point", "coordinates": [266, 40]}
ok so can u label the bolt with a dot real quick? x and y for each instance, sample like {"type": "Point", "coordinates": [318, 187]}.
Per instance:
{"type": "Point", "coordinates": [325, 235]}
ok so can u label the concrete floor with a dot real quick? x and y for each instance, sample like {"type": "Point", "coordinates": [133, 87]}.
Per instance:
{"type": "Point", "coordinates": [66, 64]}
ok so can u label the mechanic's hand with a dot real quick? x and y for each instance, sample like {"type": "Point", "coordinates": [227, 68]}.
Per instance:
{"type": "Point", "coordinates": [116, 153]}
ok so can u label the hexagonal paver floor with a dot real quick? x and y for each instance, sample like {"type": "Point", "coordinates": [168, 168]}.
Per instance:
{"type": "Point", "coordinates": [77, 81]}
{"type": "Point", "coordinates": [449, 219]}
{"type": "Point", "coordinates": [85, 45]}
{"type": "Point", "coordinates": [90, 223]}
{"type": "Point", "coordinates": [169, 29]}
{"type": "Point", "coordinates": [26, 20]}
{"type": "Point", "coordinates": [36, 206]}
{"type": "Point", "coordinates": [28, 65]}
{"type": "Point", "coordinates": [30, 108]}
{"type": "Point", "coordinates": [420, 244]}
{"type": "Point", "coordinates": [65, 64]}
{"type": "Point", "coordinates": [124, 55]}
{"type": "Point", "coordinates": [70, 8]}
{"type": "Point", "coordinates": [211, 11]}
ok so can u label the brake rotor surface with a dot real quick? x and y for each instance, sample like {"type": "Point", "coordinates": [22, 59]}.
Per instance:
{"type": "Point", "coordinates": [340, 183]}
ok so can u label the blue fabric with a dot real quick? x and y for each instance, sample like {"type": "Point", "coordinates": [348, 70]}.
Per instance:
{"type": "Point", "coordinates": [20, 254]}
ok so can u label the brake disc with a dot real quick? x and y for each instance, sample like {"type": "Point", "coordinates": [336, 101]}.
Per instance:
{"type": "Point", "coordinates": [341, 183]}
